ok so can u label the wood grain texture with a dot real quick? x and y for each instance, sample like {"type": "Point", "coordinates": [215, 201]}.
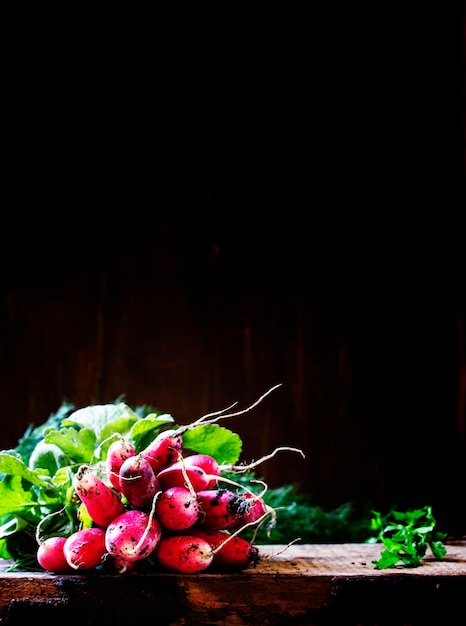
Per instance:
{"type": "Point", "coordinates": [304, 585]}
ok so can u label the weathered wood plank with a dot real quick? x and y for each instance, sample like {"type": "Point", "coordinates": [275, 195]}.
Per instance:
{"type": "Point", "coordinates": [305, 585]}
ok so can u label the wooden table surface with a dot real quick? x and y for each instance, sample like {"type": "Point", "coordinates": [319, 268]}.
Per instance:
{"type": "Point", "coordinates": [305, 585]}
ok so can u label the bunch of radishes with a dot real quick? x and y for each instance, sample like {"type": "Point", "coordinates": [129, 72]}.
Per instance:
{"type": "Point", "coordinates": [165, 503]}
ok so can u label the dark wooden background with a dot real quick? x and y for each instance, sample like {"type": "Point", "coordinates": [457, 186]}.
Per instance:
{"type": "Point", "coordinates": [190, 224]}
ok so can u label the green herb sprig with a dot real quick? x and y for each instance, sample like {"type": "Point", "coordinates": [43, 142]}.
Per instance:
{"type": "Point", "coordinates": [406, 536]}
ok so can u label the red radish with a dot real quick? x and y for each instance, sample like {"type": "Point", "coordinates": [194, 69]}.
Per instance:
{"type": "Point", "coordinates": [119, 451]}
{"type": "Point", "coordinates": [221, 509]}
{"type": "Point", "coordinates": [235, 553]}
{"type": "Point", "coordinates": [133, 535]}
{"type": "Point", "coordinates": [179, 475]}
{"type": "Point", "coordinates": [186, 554]}
{"type": "Point", "coordinates": [51, 557]}
{"type": "Point", "coordinates": [207, 463]}
{"type": "Point", "coordinates": [85, 548]}
{"type": "Point", "coordinates": [138, 482]}
{"type": "Point", "coordinates": [101, 502]}
{"type": "Point", "coordinates": [256, 509]}
{"type": "Point", "coordinates": [121, 565]}
{"type": "Point", "coordinates": [177, 508]}
{"type": "Point", "coordinates": [163, 451]}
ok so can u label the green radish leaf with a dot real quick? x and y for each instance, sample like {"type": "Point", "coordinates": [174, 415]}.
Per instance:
{"type": "Point", "coordinates": [62, 477]}
{"type": "Point", "coordinates": [48, 456]}
{"type": "Point", "coordinates": [13, 497]}
{"type": "Point", "coordinates": [120, 426]}
{"type": "Point", "coordinates": [11, 464]}
{"type": "Point", "coordinates": [145, 430]}
{"type": "Point", "coordinates": [217, 441]}
{"type": "Point", "coordinates": [12, 526]}
{"type": "Point", "coordinates": [78, 445]}
{"type": "Point", "coordinates": [97, 416]}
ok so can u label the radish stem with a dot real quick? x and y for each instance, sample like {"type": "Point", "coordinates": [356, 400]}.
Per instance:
{"type": "Point", "coordinates": [44, 519]}
{"type": "Point", "coordinates": [240, 530]}
{"type": "Point", "coordinates": [245, 468]}
{"type": "Point", "coordinates": [219, 416]}
{"type": "Point", "coordinates": [137, 547]}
